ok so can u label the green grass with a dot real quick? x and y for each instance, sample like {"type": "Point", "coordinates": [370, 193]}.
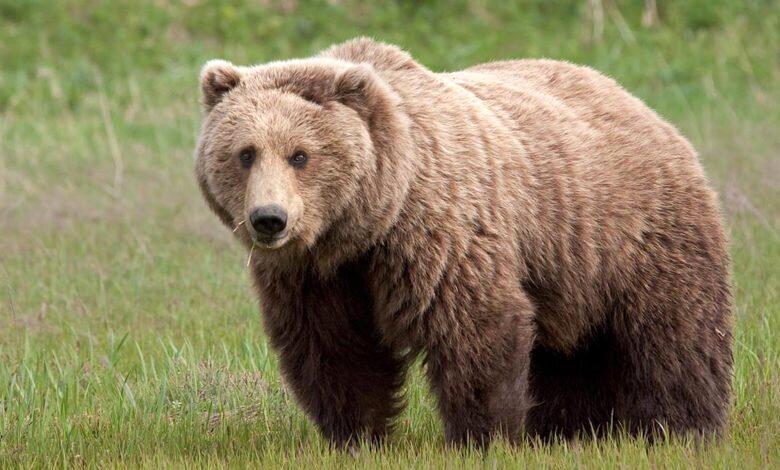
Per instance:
{"type": "Point", "coordinates": [128, 332]}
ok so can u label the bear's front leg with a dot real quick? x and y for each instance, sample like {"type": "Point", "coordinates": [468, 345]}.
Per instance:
{"type": "Point", "coordinates": [331, 358]}
{"type": "Point", "coordinates": [477, 360]}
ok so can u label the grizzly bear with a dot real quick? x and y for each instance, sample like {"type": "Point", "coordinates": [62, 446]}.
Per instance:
{"type": "Point", "coordinates": [545, 242]}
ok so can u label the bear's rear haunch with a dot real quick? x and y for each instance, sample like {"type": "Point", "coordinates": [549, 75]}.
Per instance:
{"type": "Point", "coordinates": [546, 242]}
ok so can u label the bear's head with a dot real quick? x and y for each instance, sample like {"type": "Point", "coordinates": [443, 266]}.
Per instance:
{"type": "Point", "coordinates": [296, 153]}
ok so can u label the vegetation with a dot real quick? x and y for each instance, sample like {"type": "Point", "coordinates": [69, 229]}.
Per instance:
{"type": "Point", "coordinates": [128, 332]}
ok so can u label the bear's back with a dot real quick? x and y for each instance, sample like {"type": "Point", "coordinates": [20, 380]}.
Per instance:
{"type": "Point", "coordinates": [611, 175]}
{"type": "Point", "coordinates": [548, 95]}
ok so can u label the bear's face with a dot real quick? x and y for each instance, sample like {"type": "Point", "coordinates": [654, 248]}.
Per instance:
{"type": "Point", "coordinates": [283, 147]}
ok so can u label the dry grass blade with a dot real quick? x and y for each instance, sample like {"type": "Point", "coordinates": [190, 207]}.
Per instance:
{"type": "Point", "coordinates": [113, 143]}
{"type": "Point", "coordinates": [249, 258]}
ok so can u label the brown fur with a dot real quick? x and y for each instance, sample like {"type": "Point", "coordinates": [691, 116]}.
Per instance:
{"type": "Point", "coordinates": [547, 242]}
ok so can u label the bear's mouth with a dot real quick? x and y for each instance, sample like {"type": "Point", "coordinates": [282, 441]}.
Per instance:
{"type": "Point", "coordinates": [272, 242]}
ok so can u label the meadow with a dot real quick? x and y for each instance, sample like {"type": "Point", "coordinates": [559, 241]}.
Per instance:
{"type": "Point", "coordinates": [128, 332]}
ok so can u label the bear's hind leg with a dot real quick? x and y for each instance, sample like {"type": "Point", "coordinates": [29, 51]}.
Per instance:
{"type": "Point", "coordinates": [677, 377]}
{"type": "Point", "coordinates": [674, 329]}
{"type": "Point", "coordinates": [660, 365]}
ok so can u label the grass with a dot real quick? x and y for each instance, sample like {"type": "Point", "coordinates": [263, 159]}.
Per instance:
{"type": "Point", "coordinates": [128, 332]}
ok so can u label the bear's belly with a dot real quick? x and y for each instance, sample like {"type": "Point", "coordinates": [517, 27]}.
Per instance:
{"type": "Point", "coordinates": [562, 325]}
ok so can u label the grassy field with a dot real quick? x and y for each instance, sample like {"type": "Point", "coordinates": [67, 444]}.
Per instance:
{"type": "Point", "coordinates": [128, 332]}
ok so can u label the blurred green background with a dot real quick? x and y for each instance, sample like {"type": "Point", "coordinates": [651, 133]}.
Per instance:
{"type": "Point", "coordinates": [128, 332]}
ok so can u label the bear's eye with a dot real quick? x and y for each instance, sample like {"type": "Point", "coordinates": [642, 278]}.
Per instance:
{"type": "Point", "coordinates": [247, 157]}
{"type": "Point", "coordinates": [299, 159]}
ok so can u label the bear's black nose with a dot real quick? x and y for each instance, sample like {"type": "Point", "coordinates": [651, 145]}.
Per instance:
{"type": "Point", "coordinates": [268, 220]}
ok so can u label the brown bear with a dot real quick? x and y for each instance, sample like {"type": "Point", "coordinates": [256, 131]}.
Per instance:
{"type": "Point", "coordinates": [546, 242]}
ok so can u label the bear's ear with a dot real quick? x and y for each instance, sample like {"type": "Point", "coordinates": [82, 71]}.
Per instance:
{"type": "Point", "coordinates": [363, 90]}
{"type": "Point", "coordinates": [216, 79]}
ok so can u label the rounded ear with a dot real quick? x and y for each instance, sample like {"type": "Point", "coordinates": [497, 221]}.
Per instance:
{"type": "Point", "coordinates": [363, 90]}
{"type": "Point", "coordinates": [216, 79]}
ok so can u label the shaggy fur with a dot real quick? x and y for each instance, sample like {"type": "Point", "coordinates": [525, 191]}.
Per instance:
{"type": "Point", "coordinates": [547, 242]}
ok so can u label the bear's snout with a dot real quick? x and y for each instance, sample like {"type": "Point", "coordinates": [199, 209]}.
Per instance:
{"type": "Point", "coordinates": [268, 221]}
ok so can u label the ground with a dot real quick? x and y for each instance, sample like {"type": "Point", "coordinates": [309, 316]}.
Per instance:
{"type": "Point", "coordinates": [128, 331]}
